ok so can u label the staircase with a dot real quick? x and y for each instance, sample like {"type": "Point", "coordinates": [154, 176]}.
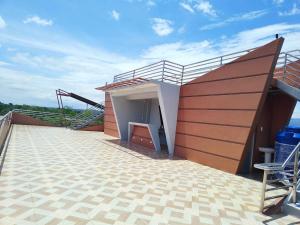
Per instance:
{"type": "Point", "coordinates": [281, 185]}
{"type": "Point", "coordinates": [87, 117]}
{"type": "Point", "coordinates": [287, 73]}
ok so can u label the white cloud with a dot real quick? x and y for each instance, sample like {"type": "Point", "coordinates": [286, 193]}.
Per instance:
{"type": "Point", "coordinates": [243, 17]}
{"type": "Point", "coordinates": [185, 53]}
{"type": "Point", "coordinates": [2, 23]}
{"type": "Point", "coordinates": [187, 7]}
{"type": "Point", "coordinates": [293, 11]}
{"type": "Point", "coordinates": [278, 2]}
{"type": "Point", "coordinates": [150, 3]}
{"type": "Point", "coordinates": [39, 21]}
{"type": "Point", "coordinates": [180, 52]}
{"type": "Point", "coordinates": [44, 63]}
{"type": "Point", "coordinates": [206, 7]}
{"type": "Point", "coordinates": [162, 27]}
{"type": "Point", "coordinates": [115, 15]}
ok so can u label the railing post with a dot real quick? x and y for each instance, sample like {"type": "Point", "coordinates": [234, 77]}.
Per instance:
{"type": "Point", "coordinates": [295, 177]}
{"type": "Point", "coordinates": [284, 67]}
{"type": "Point", "coordinates": [181, 81]}
{"type": "Point", "coordinates": [263, 191]}
{"type": "Point", "coordinates": [221, 61]}
{"type": "Point", "coordinates": [133, 74]}
{"type": "Point", "coordinates": [163, 71]}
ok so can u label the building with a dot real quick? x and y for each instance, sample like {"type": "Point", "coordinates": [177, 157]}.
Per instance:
{"type": "Point", "coordinates": [216, 112]}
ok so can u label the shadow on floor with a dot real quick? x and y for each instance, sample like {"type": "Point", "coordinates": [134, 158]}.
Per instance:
{"type": "Point", "coordinates": [138, 150]}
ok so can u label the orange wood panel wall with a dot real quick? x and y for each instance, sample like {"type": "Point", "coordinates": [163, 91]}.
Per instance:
{"type": "Point", "coordinates": [92, 127]}
{"type": "Point", "coordinates": [218, 111]}
{"type": "Point", "coordinates": [276, 114]}
{"type": "Point", "coordinates": [141, 136]}
{"type": "Point", "coordinates": [110, 124]}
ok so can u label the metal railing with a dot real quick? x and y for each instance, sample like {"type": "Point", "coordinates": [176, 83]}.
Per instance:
{"type": "Point", "coordinates": [5, 131]}
{"type": "Point", "coordinates": [288, 67]}
{"type": "Point", "coordinates": [164, 70]}
{"type": "Point", "coordinates": [5, 123]}
{"type": "Point", "coordinates": [175, 73]}
{"type": "Point", "coordinates": [77, 121]}
{"type": "Point", "coordinates": [87, 117]}
{"type": "Point", "coordinates": [285, 175]}
{"type": "Point", "coordinates": [194, 70]}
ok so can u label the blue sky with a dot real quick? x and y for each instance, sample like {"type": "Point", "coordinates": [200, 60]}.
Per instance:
{"type": "Point", "coordinates": [79, 45]}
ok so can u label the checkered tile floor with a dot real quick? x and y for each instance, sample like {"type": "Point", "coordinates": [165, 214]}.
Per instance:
{"type": "Point", "coordinates": [59, 176]}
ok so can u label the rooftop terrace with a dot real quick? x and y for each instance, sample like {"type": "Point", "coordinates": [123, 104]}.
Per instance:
{"type": "Point", "coordinates": [60, 176]}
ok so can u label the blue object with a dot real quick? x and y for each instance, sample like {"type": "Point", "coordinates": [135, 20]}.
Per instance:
{"type": "Point", "coordinates": [286, 141]}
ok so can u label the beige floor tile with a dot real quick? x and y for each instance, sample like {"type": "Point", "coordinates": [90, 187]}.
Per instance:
{"type": "Point", "coordinates": [59, 176]}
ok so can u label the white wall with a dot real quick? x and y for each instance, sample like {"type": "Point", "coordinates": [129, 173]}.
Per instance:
{"type": "Point", "coordinates": [125, 111]}
{"type": "Point", "coordinates": [168, 96]}
{"type": "Point", "coordinates": [154, 113]}
{"type": "Point", "coordinates": [132, 110]}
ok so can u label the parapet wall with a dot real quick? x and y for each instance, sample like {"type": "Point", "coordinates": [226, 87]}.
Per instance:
{"type": "Point", "coordinates": [18, 118]}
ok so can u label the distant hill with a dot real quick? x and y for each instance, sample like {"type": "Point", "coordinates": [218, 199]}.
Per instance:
{"type": "Point", "coordinates": [5, 108]}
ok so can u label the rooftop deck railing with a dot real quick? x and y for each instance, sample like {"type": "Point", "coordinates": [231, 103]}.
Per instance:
{"type": "Point", "coordinates": [289, 62]}
{"type": "Point", "coordinates": [91, 114]}
{"type": "Point", "coordinates": [288, 175]}
{"type": "Point", "coordinates": [194, 70]}
{"type": "Point", "coordinates": [5, 123]}
{"type": "Point", "coordinates": [164, 71]}
{"type": "Point", "coordinates": [175, 73]}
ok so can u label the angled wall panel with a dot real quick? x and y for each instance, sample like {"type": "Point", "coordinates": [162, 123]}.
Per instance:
{"type": "Point", "coordinates": [110, 125]}
{"type": "Point", "coordinates": [219, 110]}
{"type": "Point", "coordinates": [141, 136]}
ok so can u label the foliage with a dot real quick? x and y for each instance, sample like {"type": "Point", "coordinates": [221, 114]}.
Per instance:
{"type": "Point", "coordinates": [69, 113]}
{"type": "Point", "coordinates": [5, 108]}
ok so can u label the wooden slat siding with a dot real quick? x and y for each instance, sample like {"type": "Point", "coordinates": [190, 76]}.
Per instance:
{"type": "Point", "coordinates": [222, 117]}
{"type": "Point", "coordinates": [223, 107]}
{"type": "Point", "coordinates": [215, 161]}
{"type": "Point", "coordinates": [141, 136]}
{"type": "Point", "coordinates": [110, 132]}
{"type": "Point", "coordinates": [108, 104]}
{"type": "Point", "coordinates": [233, 70]}
{"type": "Point", "coordinates": [213, 131]}
{"type": "Point", "coordinates": [238, 101]}
{"type": "Point", "coordinates": [210, 146]}
{"type": "Point", "coordinates": [110, 124]}
{"type": "Point", "coordinates": [231, 86]}
{"type": "Point", "coordinates": [276, 114]}
{"type": "Point", "coordinates": [109, 111]}
{"type": "Point", "coordinates": [109, 118]}
{"type": "Point", "coordinates": [142, 132]}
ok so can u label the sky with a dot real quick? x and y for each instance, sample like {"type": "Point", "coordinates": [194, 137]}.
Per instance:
{"type": "Point", "coordinates": [79, 45]}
